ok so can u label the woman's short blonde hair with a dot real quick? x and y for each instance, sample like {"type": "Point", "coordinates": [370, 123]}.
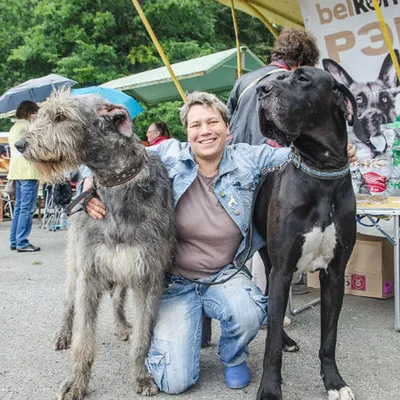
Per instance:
{"type": "Point", "coordinates": [204, 99]}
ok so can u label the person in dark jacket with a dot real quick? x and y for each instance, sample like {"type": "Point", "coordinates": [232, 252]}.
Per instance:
{"type": "Point", "coordinates": [293, 48]}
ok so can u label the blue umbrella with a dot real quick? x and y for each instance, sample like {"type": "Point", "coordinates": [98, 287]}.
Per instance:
{"type": "Point", "coordinates": [113, 96]}
{"type": "Point", "coordinates": [35, 90]}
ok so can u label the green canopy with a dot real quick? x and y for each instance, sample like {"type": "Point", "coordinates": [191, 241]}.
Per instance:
{"type": "Point", "coordinates": [214, 73]}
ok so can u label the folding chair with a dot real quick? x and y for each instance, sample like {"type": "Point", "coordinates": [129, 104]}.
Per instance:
{"type": "Point", "coordinates": [8, 204]}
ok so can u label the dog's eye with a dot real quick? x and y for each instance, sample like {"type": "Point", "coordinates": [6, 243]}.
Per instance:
{"type": "Point", "coordinates": [384, 99]}
{"type": "Point", "coordinates": [360, 100]}
{"type": "Point", "coordinates": [60, 117]}
{"type": "Point", "coordinates": [302, 78]}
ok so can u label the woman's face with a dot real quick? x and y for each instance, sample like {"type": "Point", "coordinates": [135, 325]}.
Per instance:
{"type": "Point", "coordinates": [206, 132]}
{"type": "Point", "coordinates": [152, 133]}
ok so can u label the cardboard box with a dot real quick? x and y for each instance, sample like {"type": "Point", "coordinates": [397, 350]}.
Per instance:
{"type": "Point", "coordinates": [370, 270]}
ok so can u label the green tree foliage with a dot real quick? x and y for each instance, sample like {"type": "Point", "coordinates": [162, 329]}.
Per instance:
{"type": "Point", "coordinates": [95, 41]}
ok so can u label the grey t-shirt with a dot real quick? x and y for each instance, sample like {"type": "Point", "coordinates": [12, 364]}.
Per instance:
{"type": "Point", "coordinates": [208, 238]}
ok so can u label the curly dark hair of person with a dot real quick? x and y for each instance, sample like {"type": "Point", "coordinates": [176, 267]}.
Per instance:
{"type": "Point", "coordinates": [163, 128]}
{"type": "Point", "coordinates": [26, 109]}
{"type": "Point", "coordinates": [296, 47]}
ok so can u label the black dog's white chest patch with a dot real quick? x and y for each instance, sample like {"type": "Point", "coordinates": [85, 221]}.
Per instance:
{"type": "Point", "coordinates": [317, 251]}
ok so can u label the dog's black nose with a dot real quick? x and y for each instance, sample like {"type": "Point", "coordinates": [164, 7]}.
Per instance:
{"type": "Point", "coordinates": [20, 145]}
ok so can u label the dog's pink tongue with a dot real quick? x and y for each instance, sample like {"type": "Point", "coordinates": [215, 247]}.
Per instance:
{"type": "Point", "coordinates": [272, 143]}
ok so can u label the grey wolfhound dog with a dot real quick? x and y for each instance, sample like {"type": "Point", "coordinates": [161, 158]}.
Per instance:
{"type": "Point", "coordinates": [130, 248]}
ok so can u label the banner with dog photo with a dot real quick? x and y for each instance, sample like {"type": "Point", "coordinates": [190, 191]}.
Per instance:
{"type": "Point", "coordinates": [353, 50]}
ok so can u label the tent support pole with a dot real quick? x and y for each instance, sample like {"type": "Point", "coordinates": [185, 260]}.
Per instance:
{"type": "Point", "coordinates": [387, 38]}
{"type": "Point", "coordinates": [159, 48]}
{"type": "Point", "coordinates": [263, 19]}
{"type": "Point", "coordinates": [235, 25]}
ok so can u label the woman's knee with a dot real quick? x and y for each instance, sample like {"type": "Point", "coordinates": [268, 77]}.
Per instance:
{"type": "Point", "coordinates": [170, 376]}
{"type": "Point", "coordinates": [247, 305]}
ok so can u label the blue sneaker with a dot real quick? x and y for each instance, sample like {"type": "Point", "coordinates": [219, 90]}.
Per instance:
{"type": "Point", "coordinates": [237, 377]}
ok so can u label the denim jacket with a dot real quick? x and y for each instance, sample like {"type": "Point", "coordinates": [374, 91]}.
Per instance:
{"type": "Point", "coordinates": [238, 176]}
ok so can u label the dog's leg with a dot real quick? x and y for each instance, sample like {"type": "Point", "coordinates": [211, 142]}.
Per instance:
{"type": "Point", "coordinates": [63, 337]}
{"type": "Point", "coordinates": [206, 332]}
{"type": "Point", "coordinates": [88, 294]}
{"type": "Point", "coordinates": [332, 292]}
{"type": "Point", "coordinates": [146, 299]}
{"type": "Point", "coordinates": [124, 328]}
{"type": "Point", "coordinates": [289, 345]}
{"type": "Point", "coordinates": [279, 283]}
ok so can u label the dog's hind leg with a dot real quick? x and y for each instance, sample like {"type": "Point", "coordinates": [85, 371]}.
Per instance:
{"type": "Point", "coordinates": [146, 299]}
{"type": "Point", "coordinates": [124, 328]}
{"type": "Point", "coordinates": [88, 295]}
{"type": "Point", "coordinates": [63, 337]}
{"type": "Point", "coordinates": [289, 345]}
{"type": "Point", "coordinates": [332, 292]}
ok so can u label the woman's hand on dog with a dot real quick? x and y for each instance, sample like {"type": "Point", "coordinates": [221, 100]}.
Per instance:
{"type": "Point", "coordinates": [95, 208]}
{"type": "Point", "coordinates": [351, 153]}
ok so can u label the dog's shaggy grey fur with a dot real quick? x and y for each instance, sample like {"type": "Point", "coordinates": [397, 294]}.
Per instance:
{"type": "Point", "coordinates": [130, 248]}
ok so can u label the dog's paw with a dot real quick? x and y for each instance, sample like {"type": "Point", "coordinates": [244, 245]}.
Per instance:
{"type": "Point", "coordinates": [146, 386]}
{"type": "Point", "coordinates": [124, 331]}
{"type": "Point", "coordinates": [71, 391]}
{"type": "Point", "coordinates": [289, 345]}
{"type": "Point", "coordinates": [291, 349]}
{"type": "Point", "coordinates": [344, 393]}
{"type": "Point", "coordinates": [62, 340]}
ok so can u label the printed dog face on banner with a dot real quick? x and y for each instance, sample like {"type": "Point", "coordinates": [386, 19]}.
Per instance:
{"type": "Point", "coordinates": [377, 171]}
{"type": "Point", "coordinates": [376, 105]}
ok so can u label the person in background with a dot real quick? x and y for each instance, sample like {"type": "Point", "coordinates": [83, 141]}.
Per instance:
{"type": "Point", "coordinates": [293, 48]}
{"type": "Point", "coordinates": [26, 179]}
{"type": "Point", "coordinates": [157, 132]}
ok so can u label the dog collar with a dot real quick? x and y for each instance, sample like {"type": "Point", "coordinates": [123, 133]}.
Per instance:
{"type": "Point", "coordinates": [300, 164]}
{"type": "Point", "coordinates": [121, 178]}
{"type": "Point", "coordinates": [124, 176]}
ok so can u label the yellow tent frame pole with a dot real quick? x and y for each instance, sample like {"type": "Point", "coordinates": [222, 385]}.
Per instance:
{"type": "Point", "coordinates": [387, 38]}
{"type": "Point", "coordinates": [159, 48]}
{"type": "Point", "coordinates": [268, 24]}
{"type": "Point", "coordinates": [235, 25]}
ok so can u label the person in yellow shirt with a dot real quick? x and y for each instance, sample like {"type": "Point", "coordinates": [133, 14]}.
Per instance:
{"type": "Point", "coordinates": [27, 182]}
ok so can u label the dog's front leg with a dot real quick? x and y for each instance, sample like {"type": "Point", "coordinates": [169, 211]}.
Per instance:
{"type": "Point", "coordinates": [278, 291]}
{"type": "Point", "coordinates": [332, 292]}
{"type": "Point", "coordinates": [88, 294]}
{"type": "Point", "coordinates": [146, 300]}
{"type": "Point", "coordinates": [63, 337]}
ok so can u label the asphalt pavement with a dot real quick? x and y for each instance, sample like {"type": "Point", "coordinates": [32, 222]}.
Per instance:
{"type": "Point", "coordinates": [31, 294]}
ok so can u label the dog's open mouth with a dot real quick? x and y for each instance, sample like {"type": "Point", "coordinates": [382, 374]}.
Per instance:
{"type": "Point", "coordinates": [271, 131]}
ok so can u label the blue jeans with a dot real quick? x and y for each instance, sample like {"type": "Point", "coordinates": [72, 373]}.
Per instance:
{"type": "Point", "coordinates": [239, 306]}
{"type": "Point", "coordinates": [25, 203]}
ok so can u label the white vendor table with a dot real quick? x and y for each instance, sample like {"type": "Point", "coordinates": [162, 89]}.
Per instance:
{"type": "Point", "coordinates": [390, 209]}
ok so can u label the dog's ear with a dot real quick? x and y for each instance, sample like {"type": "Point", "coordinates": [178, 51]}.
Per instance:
{"type": "Point", "coordinates": [388, 74]}
{"type": "Point", "coordinates": [346, 101]}
{"type": "Point", "coordinates": [337, 71]}
{"type": "Point", "coordinates": [119, 116]}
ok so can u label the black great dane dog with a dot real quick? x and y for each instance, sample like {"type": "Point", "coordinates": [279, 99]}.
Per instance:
{"type": "Point", "coordinates": [306, 210]}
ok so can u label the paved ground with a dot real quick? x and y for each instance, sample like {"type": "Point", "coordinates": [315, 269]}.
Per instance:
{"type": "Point", "coordinates": [31, 292]}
